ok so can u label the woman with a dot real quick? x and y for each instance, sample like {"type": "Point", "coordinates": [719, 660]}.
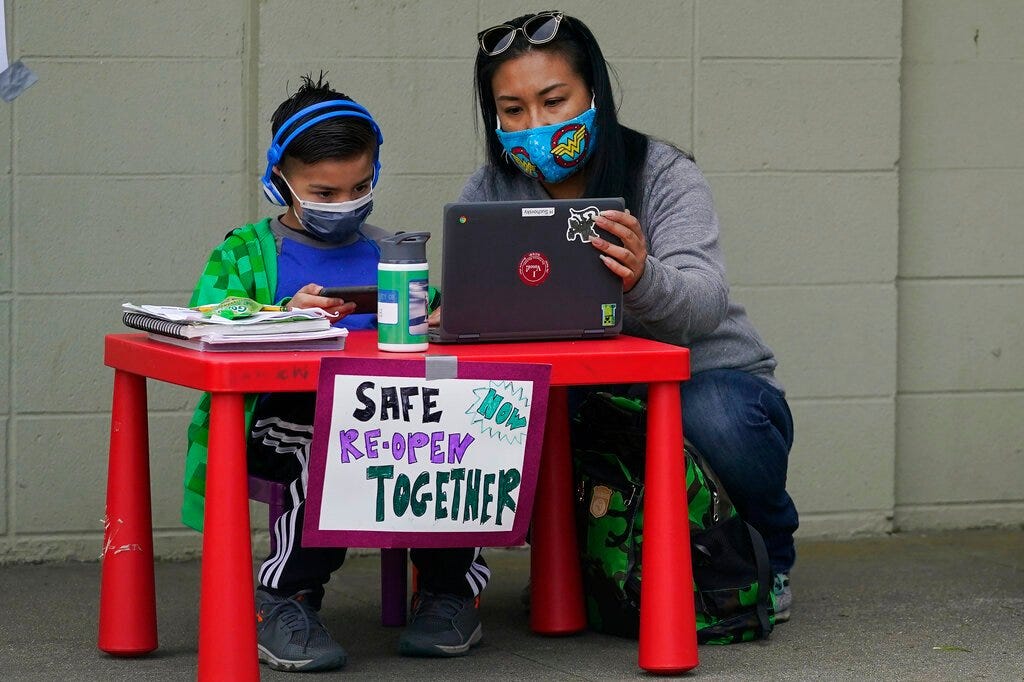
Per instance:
{"type": "Point", "coordinates": [547, 106]}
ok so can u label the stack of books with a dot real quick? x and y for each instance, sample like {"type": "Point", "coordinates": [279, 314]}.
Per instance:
{"type": "Point", "coordinates": [284, 330]}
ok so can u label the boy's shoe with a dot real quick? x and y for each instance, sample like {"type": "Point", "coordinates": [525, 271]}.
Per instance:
{"type": "Point", "coordinates": [783, 597]}
{"type": "Point", "coordinates": [442, 625]}
{"type": "Point", "coordinates": [290, 636]}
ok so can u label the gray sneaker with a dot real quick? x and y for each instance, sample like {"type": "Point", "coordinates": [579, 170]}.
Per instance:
{"type": "Point", "coordinates": [290, 636]}
{"type": "Point", "coordinates": [442, 625]}
{"type": "Point", "coordinates": [783, 597]}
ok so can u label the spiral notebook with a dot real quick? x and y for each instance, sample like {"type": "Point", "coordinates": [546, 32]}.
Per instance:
{"type": "Point", "coordinates": [525, 270]}
{"type": "Point", "coordinates": [332, 338]}
{"type": "Point", "coordinates": [281, 330]}
{"type": "Point", "coordinates": [192, 330]}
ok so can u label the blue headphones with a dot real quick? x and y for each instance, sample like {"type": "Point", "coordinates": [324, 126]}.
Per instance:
{"type": "Point", "coordinates": [338, 108]}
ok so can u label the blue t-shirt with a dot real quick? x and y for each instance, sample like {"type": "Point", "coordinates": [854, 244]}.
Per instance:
{"type": "Point", "coordinates": [302, 259]}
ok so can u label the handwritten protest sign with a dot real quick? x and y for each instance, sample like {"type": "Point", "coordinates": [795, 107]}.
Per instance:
{"type": "Point", "coordinates": [400, 460]}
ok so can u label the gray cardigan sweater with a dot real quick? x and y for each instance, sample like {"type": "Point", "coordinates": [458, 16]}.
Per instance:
{"type": "Point", "coordinates": [683, 297]}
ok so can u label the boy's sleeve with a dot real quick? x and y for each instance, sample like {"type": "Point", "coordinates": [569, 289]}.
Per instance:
{"type": "Point", "coordinates": [220, 277]}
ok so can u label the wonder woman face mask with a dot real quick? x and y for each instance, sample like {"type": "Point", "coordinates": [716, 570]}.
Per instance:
{"type": "Point", "coordinates": [552, 153]}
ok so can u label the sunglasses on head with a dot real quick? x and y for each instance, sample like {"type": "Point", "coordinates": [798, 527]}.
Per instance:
{"type": "Point", "coordinates": [539, 29]}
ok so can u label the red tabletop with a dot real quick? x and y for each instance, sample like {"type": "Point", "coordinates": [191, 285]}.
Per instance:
{"type": "Point", "coordinates": [623, 359]}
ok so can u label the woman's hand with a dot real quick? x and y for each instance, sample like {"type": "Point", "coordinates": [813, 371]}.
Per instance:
{"type": "Point", "coordinates": [307, 297]}
{"type": "Point", "coordinates": [434, 318]}
{"type": "Point", "coordinates": [626, 261]}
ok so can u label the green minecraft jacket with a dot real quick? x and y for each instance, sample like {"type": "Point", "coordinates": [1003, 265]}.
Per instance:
{"type": "Point", "coordinates": [244, 264]}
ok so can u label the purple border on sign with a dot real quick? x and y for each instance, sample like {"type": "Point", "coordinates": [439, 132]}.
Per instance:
{"type": "Point", "coordinates": [314, 536]}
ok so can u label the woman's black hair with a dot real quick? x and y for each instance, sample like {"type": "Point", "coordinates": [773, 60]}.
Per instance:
{"type": "Point", "coordinates": [615, 167]}
{"type": "Point", "coordinates": [343, 138]}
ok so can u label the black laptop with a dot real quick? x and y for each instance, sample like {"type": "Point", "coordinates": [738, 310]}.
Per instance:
{"type": "Point", "coordinates": [525, 270]}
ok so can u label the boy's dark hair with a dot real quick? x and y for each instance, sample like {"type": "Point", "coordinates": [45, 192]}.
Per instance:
{"type": "Point", "coordinates": [344, 137]}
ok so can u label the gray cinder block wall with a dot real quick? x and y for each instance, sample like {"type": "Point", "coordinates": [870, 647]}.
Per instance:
{"type": "Point", "coordinates": [959, 426]}
{"type": "Point", "coordinates": [864, 155]}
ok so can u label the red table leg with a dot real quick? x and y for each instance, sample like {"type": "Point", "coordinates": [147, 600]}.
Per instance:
{"type": "Point", "coordinates": [556, 606]}
{"type": "Point", "coordinates": [227, 610]}
{"type": "Point", "coordinates": [127, 624]}
{"type": "Point", "coordinates": [668, 631]}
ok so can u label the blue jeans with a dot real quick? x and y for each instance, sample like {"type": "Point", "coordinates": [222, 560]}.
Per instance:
{"type": "Point", "coordinates": [743, 427]}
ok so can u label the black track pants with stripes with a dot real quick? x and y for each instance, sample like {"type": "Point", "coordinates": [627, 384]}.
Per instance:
{"type": "Point", "coordinates": [278, 450]}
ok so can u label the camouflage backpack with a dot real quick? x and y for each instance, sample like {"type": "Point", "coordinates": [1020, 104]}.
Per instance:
{"type": "Point", "coordinates": [732, 584]}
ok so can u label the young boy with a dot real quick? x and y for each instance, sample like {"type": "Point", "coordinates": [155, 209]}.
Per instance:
{"type": "Point", "coordinates": [323, 163]}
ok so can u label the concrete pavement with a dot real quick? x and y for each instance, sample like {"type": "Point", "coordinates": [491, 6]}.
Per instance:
{"type": "Point", "coordinates": [944, 606]}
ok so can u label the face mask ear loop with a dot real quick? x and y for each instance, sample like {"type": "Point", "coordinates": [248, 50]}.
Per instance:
{"type": "Point", "coordinates": [504, 152]}
{"type": "Point", "coordinates": [296, 201]}
{"type": "Point", "coordinates": [295, 197]}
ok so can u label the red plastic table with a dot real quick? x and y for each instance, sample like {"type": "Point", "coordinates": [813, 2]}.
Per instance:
{"type": "Point", "coordinates": [227, 636]}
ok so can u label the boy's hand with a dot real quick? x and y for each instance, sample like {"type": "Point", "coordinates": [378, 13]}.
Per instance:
{"type": "Point", "coordinates": [434, 318]}
{"type": "Point", "coordinates": [306, 297]}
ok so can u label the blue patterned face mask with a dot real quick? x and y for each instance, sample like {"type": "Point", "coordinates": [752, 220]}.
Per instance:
{"type": "Point", "coordinates": [333, 222]}
{"type": "Point", "coordinates": [552, 153]}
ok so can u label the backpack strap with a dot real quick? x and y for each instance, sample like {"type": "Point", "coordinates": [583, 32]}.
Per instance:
{"type": "Point", "coordinates": [764, 582]}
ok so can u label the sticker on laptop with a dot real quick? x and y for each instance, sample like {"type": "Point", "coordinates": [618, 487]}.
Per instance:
{"type": "Point", "coordinates": [608, 314]}
{"type": "Point", "coordinates": [581, 224]}
{"type": "Point", "coordinates": [534, 268]}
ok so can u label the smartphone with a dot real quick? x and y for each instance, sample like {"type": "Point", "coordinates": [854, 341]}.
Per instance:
{"type": "Point", "coordinates": [364, 296]}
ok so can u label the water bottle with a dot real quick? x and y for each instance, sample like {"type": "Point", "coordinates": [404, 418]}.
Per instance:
{"type": "Point", "coordinates": [402, 293]}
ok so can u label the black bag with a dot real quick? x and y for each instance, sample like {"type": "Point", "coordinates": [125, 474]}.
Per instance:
{"type": "Point", "coordinates": [732, 580]}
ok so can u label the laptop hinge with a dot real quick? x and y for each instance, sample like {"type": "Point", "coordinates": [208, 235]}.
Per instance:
{"type": "Point", "coordinates": [468, 337]}
{"type": "Point", "coordinates": [594, 332]}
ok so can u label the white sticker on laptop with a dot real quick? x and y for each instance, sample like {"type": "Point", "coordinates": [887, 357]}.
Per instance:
{"type": "Point", "coordinates": [538, 212]}
{"type": "Point", "coordinates": [581, 224]}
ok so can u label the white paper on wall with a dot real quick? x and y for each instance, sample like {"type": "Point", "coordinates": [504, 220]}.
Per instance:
{"type": "Point", "coordinates": [16, 77]}
{"type": "Point", "coordinates": [3, 38]}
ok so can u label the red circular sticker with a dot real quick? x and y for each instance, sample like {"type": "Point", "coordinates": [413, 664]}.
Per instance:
{"type": "Point", "coordinates": [534, 268]}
